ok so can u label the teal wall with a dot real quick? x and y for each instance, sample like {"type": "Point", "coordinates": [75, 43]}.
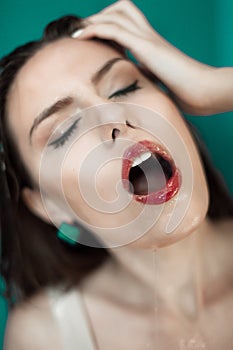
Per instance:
{"type": "Point", "coordinates": [202, 29]}
{"type": "Point", "coordinates": [3, 315]}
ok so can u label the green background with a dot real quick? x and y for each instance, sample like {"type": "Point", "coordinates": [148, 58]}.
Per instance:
{"type": "Point", "coordinates": [202, 29]}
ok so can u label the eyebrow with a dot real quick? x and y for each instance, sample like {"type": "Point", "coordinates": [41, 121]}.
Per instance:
{"type": "Point", "coordinates": [47, 112]}
{"type": "Point", "coordinates": [106, 67]}
{"type": "Point", "coordinates": [61, 104]}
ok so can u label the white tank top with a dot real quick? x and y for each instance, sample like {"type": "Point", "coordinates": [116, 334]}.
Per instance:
{"type": "Point", "coordinates": [69, 312]}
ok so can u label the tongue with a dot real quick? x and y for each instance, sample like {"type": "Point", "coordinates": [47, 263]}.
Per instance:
{"type": "Point", "coordinates": [147, 177]}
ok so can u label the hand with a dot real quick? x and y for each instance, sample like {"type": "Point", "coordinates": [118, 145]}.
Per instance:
{"type": "Point", "coordinates": [197, 88]}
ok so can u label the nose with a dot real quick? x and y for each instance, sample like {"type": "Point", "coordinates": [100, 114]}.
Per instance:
{"type": "Point", "coordinates": [113, 122]}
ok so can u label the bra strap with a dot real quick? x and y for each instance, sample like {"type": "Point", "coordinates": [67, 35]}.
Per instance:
{"type": "Point", "coordinates": [69, 312]}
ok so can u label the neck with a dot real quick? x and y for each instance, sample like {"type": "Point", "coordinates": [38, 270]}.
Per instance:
{"type": "Point", "coordinates": [179, 278]}
{"type": "Point", "coordinates": [170, 275]}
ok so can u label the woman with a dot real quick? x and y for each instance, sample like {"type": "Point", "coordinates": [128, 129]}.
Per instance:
{"type": "Point", "coordinates": [72, 107]}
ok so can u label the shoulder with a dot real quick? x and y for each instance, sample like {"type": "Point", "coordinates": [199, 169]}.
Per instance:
{"type": "Point", "coordinates": [226, 227]}
{"type": "Point", "coordinates": [30, 325]}
{"type": "Point", "coordinates": [221, 246]}
{"type": "Point", "coordinates": [224, 233]}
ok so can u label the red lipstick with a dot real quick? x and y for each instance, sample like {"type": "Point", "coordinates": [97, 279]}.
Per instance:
{"type": "Point", "coordinates": [172, 175]}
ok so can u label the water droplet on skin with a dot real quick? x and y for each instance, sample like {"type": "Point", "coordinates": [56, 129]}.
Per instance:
{"type": "Point", "coordinates": [191, 344]}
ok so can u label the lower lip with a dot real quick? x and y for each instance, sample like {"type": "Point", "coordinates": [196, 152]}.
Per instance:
{"type": "Point", "coordinates": [167, 192]}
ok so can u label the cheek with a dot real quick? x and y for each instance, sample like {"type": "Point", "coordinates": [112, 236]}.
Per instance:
{"type": "Point", "coordinates": [108, 181]}
{"type": "Point", "coordinates": [90, 182]}
{"type": "Point", "coordinates": [93, 188]}
{"type": "Point", "coordinates": [94, 193]}
{"type": "Point", "coordinates": [87, 180]}
{"type": "Point", "coordinates": [156, 99]}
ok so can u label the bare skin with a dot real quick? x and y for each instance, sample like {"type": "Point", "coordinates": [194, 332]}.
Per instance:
{"type": "Point", "coordinates": [170, 303]}
{"type": "Point", "coordinates": [142, 298]}
{"type": "Point", "coordinates": [197, 88]}
{"type": "Point", "coordinates": [183, 295]}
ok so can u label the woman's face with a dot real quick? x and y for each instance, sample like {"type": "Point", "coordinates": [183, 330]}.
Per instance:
{"type": "Point", "coordinates": [86, 122]}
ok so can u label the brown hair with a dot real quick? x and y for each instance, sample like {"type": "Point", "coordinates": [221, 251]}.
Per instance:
{"type": "Point", "coordinates": [28, 263]}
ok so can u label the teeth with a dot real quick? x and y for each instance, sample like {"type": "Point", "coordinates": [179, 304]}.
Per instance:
{"type": "Point", "coordinates": [145, 156]}
{"type": "Point", "coordinates": [139, 159]}
{"type": "Point", "coordinates": [136, 161]}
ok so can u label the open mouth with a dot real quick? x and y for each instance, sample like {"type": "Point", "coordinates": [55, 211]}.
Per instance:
{"type": "Point", "coordinates": [149, 173]}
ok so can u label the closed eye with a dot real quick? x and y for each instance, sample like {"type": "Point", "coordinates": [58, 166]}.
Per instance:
{"type": "Point", "coordinates": [125, 91]}
{"type": "Point", "coordinates": [59, 142]}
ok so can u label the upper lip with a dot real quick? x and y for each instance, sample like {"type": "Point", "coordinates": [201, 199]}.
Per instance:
{"type": "Point", "coordinates": [140, 148]}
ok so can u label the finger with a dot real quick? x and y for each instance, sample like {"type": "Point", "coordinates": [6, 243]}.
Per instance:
{"type": "Point", "coordinates": [118, 19]}
{"type": "Point", "coordinates": [128, 9]}
{"type": "Point", "coordinates": [111, 32]}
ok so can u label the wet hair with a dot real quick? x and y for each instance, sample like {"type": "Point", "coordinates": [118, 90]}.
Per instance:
{"type": "Point", "coordinates": [32, 255]}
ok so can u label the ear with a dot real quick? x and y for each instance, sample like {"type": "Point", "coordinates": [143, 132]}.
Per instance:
{"type": "Point", "coordinates": [44, 208]}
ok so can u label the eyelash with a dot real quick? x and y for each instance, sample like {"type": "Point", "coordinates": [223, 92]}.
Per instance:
{"type": "Point", "coordinates": [65, 137]}
{"type": "Point", "coordinates": [128, 89]}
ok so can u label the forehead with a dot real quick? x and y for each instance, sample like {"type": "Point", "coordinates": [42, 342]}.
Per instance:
{"type": "Point", "coordinates": [65, 56]}
{"type": "Point", "coordinates": [57, 69]}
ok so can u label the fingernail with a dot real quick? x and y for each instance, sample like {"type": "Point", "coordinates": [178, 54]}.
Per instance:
{"type": "Point", "coordinates": [77, 33]}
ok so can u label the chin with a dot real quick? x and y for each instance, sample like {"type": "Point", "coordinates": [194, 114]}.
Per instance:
{"type": "Point", "coordinates": [157, 236]}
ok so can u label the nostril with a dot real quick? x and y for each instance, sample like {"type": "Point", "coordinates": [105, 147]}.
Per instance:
{"type": "Point", "coordinates": [129, 124]}
{"type": "Point", "coordinates": [115, 133]}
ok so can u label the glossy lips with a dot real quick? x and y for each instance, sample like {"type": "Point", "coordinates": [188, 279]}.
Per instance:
{"type": "Point", "coordinates": [173, 183]}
